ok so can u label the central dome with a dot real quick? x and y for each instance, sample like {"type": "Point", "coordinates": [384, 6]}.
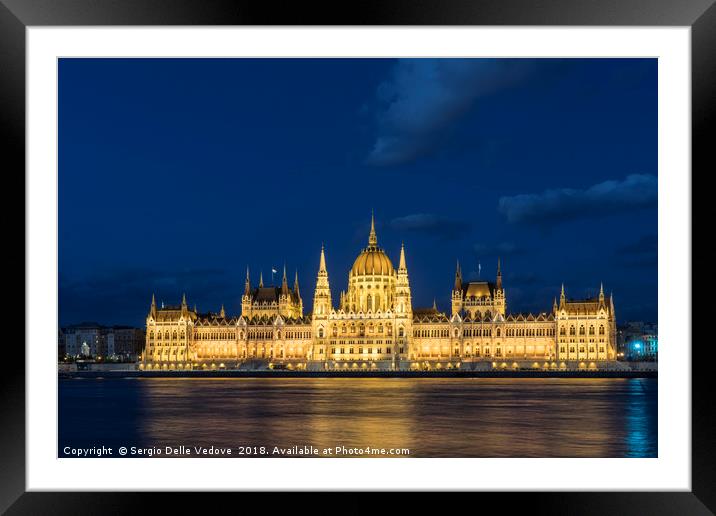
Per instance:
{"type": "Point", "coordinates": [372, 260]}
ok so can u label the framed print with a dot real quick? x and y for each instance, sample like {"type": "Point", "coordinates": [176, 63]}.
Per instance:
{"type": "Point", "coordinates": [410, 249]}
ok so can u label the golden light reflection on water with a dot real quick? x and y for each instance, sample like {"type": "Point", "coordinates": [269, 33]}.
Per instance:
{"type": "Point", "coordinates": [477, 417]}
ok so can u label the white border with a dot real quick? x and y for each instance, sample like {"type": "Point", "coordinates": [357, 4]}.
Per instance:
{"type": "Point", "coordinates": [671, 470]}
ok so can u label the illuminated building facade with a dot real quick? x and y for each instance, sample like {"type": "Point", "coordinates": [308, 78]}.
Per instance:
{"type": "Point", "coordinates": [374, 327]}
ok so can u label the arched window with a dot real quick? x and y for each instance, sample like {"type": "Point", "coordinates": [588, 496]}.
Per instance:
{"type": "Point", "coordinates": [581, 330]}
{"type": "Point", "coordinates": [320, 333]}
{"type": "Point", "coordinates": [401, 331]}
{"type": "Point", "coordinates": [498, 332]}
{"type": "Point", "coordinates": [572, 330]}
{"type": "Point", "coordinates": [601, 330]}
{"type": "Point", "coordinates": [591, 330]}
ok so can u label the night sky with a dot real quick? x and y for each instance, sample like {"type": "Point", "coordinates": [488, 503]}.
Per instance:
{"type": "Point", "coordinates": [175, 174]}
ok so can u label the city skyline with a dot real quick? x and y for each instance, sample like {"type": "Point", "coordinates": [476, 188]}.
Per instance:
{"type": "Point", "coordinates": [174, 175]}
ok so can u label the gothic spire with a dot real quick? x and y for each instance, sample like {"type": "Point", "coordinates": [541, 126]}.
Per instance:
{"type": "Point", "coordinates": [222, 313]}
{"type": "Point", "coordinates": [183, 300]}
{"type": "Point", "coordinates": [322, 264]}
{"type": "Point", "coordinates": [261, 279]}
{"type": "Point", "coordinates": [247, 285]}
{"type": "Point", "coordinates": [402, 265]}
{"type": "Point", "coordinates": [153, 308]}
{"type": "Point", "coordinates": [284, 282]}
{"type": "Point", "coordinates": [499, 275]}
{"type": "Point", "coordinates": [295, 285]}
{"type": "Point", "coordinates": [458, 277]}
{"type": "Point", "coordinates": [372, 237]}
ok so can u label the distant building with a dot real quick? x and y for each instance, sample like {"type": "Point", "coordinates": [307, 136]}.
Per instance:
{"type": "Point", "coordinates": [126, 341]}
{"type": "Point", "coordinates": [61, 345]}
{"type": "Point", "coordinates": [642, 347]}
{"type": "Point", "coordinates": [638, 340]}
{"type": "Point", "coordinates": [88, 333]}
{"type": "Point", "coordinates": [101, 341]}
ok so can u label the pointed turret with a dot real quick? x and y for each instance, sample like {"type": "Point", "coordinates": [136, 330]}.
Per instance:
{"type": "Point", "coordinates": [322, 263]}
{"type": "Point", "coordinates": [261, 279]}
{"type": "Point", "coordinates": [554, 305]}
{"type": "Point", "coordinates": [222, 313]}
{"type": "Point", "coordinates": [284, 283]}
{"type": "Point", "coordinates": [183, 300]}
{"type": "Point", "coordinates": [322, 304]}
{"type": "Point", "coordinates": [499, 276]}
{"type": "Point", "coordinates": [458, 277]}
{"type": "Point", "coordinates": [435, 305]}
{"type": "Point", "coordinates": [601, 293]}
{"type": "Point", "coordinates": [562, 297]}
{"type": "Point", "coordinates": [295, 285]}
{"type": "Point", "coordinates": [153, 307]}
{"type": "Point", "coordinates": [402, 302]}
{"type": "Point", "coordinates": [372, 237]}
{"type": "Point", "coordinates": [457, 300]}
{"type": "Point", "coordinates": [611, 304]}
{"type": "Point", "coordinates": [401, 265]}
{"type": "Point", "coordinates": [247, 284]}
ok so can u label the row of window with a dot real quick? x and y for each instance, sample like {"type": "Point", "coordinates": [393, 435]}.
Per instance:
{"type": "Point", "coordinates": [562, 349]}
{"type": "Point", "coordinates": [369, 350]}
{"type": "Point", "coordinates": [582, 330]}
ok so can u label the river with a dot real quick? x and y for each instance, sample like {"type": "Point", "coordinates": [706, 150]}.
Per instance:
{"type": "Point", "coordinates": [417, 417]}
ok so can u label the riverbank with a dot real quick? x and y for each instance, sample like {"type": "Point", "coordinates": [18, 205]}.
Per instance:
{"type": "Point", "coordinates": [356, 374]}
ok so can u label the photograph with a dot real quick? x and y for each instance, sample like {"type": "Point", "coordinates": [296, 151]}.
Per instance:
{"type": "Point", "coordinates": [358, 257]}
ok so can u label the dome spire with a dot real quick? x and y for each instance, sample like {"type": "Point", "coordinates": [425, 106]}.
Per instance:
{"type": "Point", "coordinates": [372, 238]}
{"type": "Point", "coordinates": [402, 265]}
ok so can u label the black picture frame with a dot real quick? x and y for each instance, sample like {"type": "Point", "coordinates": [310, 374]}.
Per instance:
{"type": "Point", "coordinates": [700, 15]}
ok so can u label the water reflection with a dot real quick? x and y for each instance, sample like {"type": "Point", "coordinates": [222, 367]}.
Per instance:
{"type": "Point", "coordinates": [478, 417]}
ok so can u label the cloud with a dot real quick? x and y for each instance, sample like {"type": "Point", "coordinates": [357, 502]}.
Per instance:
{"type": "Point", "coordinates": [430, 224]}
{"type": "Point", "coordinates": [636, 191]}
{"type": "Point", "coordinates": [647, 244]}
{"type": "Point", "coordinates": [423, 98]}
{"type": "Point", "coordinates": [498, 249]}
{"type": "Point", "coordinates": [640, 253]}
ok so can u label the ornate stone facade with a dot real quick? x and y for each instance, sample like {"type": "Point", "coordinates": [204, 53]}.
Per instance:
{"type": "Point", "coordinates": [375, 327]}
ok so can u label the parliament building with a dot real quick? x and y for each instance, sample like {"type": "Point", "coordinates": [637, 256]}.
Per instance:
{"type": "Point", "coordinates": [375, 327]}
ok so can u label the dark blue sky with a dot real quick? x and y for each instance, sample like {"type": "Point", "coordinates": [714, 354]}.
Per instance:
{"type": "Point", "coordinates": [174, 174]}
